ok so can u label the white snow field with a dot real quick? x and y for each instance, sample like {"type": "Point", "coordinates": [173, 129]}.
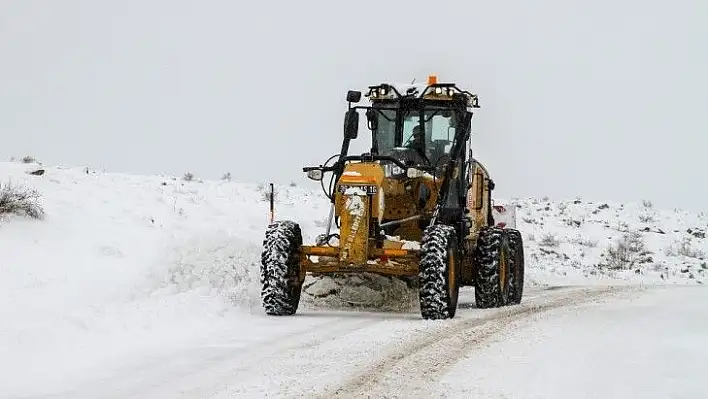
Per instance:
{"type": "Point", "coordinates": [147, 287]}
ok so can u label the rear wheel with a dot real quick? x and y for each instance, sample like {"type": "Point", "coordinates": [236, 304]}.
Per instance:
{"type": "Point", "coordinates": [516, 245]}
{"type": "Point", "coordinates": [492, 272]}
{"type": "Point", "coordinates": [281, 284]}
{"type": "Point", "coordinates": [438, 280]}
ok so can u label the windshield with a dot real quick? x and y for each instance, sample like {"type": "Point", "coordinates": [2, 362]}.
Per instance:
{"type": "Point", "coordinates": [386, 132]}
{"type": "Point", "coordinates": [438, 131]}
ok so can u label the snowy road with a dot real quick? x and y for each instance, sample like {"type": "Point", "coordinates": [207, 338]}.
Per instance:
{"type": "Point", "coordinates": [651, 345]}
{"type": "Point", "coordinates": [355, 354]}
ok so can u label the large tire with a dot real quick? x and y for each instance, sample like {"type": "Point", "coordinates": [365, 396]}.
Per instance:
{"type": "Point", "coordinates": [516, 244]}
{"type": "Point", "coordinates": [438, 277]}
{"type": "Point", "coordinates": [280, 269]}
{"type": "Point", "coordinates": [492, 277]}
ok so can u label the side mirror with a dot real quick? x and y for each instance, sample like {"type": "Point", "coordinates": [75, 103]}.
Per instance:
{"type": "Point", "coordinates": [351, 124]}
{"type": "Point", "coordinates": [353, 96]}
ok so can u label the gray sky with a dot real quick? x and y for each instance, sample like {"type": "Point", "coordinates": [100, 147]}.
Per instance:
{"type": "Point", "coordinates": [601, 99]}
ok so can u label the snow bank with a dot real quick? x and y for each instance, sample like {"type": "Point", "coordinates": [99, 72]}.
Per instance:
{"type": "Point", "coordinates": [123, 265]}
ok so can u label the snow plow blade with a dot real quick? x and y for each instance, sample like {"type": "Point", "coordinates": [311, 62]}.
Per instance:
{"type": "Point", "coordinates": [389, 261]}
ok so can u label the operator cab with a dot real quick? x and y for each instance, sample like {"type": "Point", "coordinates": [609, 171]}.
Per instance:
{"type": "Point", "coordinates": [416, 133]}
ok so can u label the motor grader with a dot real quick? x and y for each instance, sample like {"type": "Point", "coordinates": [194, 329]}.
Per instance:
{"type": "Point", "coordinates": [418, 205]}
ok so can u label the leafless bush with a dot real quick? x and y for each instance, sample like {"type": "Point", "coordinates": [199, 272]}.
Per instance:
{"type": "Point", "coordinates": [20, 201]}
{"type": "Point", "coordinates": [226, 176]}
{"type": "Point", "coordinates": [28, 159]}
{"type": "Point", "coordinates": [685, 248]}
{"type": "Point", "coordinates": [585, 241]}
{"type": "Point", "coordinates": [646, 218]}
{"type": "Point", "coordinates": [623, 226]}
{"type": "Point", "coordinates": [265, 192]}
{"type": "Point", "coordinates": [627, 251]}
{"type": "Point", "coordinates": [548, 240]}
{"type": "Point", "coordinates": [647, 204]}
{"type": "Point", "coordinates": [189, 176]}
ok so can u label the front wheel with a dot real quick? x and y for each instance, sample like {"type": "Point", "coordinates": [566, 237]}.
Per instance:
{"type": "Point", "coordinates": [438, 279]}
{"type": "Point", "coordinates": [281, 283]}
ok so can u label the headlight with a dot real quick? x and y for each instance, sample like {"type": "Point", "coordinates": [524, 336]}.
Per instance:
{"type": "Point", "coordinates": [392, 170]}
{"type": "Point", "coordinates": [413, 173]}
{"type": "Point", "coordinates": [315, 174]}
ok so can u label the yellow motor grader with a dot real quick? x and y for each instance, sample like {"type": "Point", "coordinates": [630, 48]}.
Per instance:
{"type": "Point", "coordinates": [417, 206]}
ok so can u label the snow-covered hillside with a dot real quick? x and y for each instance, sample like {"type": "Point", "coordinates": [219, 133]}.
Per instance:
{"type": "Point", "coordinates": [582, 241]}
{"type": "Point", "coordinates": [125, 266]}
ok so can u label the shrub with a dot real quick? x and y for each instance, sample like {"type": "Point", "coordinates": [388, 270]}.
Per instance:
{"type": "Point", "coordinates": [265, 192]}
{"type": "Point", "coordinates": [646, 218]}
{"type": "Point", "coordinates": [627, 251]}
{"type": "Point", "coordinates": [585, 241]}
{"type": "Point", "coordinates": [20, 201]}
{"type": "Point", "coordinates": [685, 248]}
{"type": "Point", "coordinates": [548, 240]}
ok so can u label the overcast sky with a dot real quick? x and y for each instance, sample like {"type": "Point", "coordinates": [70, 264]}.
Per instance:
{"type": "Point", "coordinates": [602, 99]}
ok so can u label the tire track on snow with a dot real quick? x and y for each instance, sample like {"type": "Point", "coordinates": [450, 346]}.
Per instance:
{"type": "Point", "coordinates": [416, 365]}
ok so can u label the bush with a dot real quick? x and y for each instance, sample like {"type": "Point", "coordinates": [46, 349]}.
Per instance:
{"type": "Point", "coordinates": [189, 176]}
{"type": "Point", "coordinates": [646, 218]}
{"type": "Point", "coordinates": [627, 251]}
{"type": "Point", "coordinates": [685, 248]}
{"type": "Point", "coordinates": [28, 159]}
{"type": "Point", "coordinates": [548, 240]}
{"type": "Point", "coordinates": [20, 201]}
{"type": "Point", "coordinates": [585, 241]}
{"type": "Point", "coordinates": [265, 192]}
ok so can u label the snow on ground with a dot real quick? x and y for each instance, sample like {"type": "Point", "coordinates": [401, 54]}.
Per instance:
{"type": "Point", "coordinates": [574, 241]}
{"type": "Point", "coordinates": [648, 346]}
{"type": "Point", "coordinates": [126, 265]}
{"type": "Point", "coordinates": [128, 273]}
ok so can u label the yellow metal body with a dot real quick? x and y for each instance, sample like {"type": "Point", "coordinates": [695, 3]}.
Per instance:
{"type": "Point", "coordinates": [478, 207]}
{"type": "Point", "coordinates": [364, 195]}
{"type": "Point", "coordinates": [478, 203]}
